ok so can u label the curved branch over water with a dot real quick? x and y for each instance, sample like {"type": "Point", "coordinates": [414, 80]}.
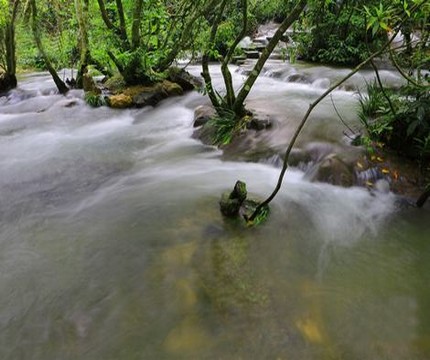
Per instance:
{"type": "Point", "coordinates": [312, 106]}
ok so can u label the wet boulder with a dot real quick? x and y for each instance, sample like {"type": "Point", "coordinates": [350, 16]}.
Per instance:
{"type": "Point", "coordinates": [120, 101]}
{"type": "Point", "coordinates": [333, 170]}
{"type": "Point", "coordinates": [231, 203]}
{"type": "Point", "coordinates": [172, 88]}
{"type": "Point", "coordinates": [298, 78]}
{"type": "Point", "coordinates": [184, 79]}
{"type": "Point", "coordinates": [259, 122]}
{"type": "Point", "coordinates": [202, 114]}
{"type": "Point", "coordinates": [147, 98]}
{"type": "Point", "coordinates": [89, 84]}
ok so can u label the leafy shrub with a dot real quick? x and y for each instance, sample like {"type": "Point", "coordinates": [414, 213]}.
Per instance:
{"type": "Point", "coordinates": [268, 10]}
{"type": "Point", "coordinates": [407, 129]}
{"type": "Point", "coordinates": [137, 67]}
{"type": "Point", "coordinates": [94, 100]}
{"type": "Point", "coordinates": [334, 37]}
{"type": "Point", "coordinates": [225, 126]}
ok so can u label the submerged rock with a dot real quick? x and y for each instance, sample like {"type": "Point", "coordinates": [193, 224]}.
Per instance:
{"type": "Point", "coordinates": [259, 122]}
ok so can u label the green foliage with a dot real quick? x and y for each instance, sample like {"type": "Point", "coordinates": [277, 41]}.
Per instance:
{"type": "Point", "coordinates": [94, 100]}
{"type": "Point", "coordinates": [3, 21]}
{"type": "Point", "coordinates": [138, 67]}
{"type": "Point", "coordinates": [260, 217]}
{"type": "Point", "coordinates": [379, 17]}
{"type": "Point", "coordinates": [4, 10]}
{"type": "Point", "coordinates": [225, 126]}
{"type": "Point", "coordinates": [336, 36]}
{"type": "Point", "coordinates": [266, 10]}
{"type": "Point", "coordinates": [407, 129]}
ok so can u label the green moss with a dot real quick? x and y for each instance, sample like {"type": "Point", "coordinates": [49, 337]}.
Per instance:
{"type": "Point", "coordinates": [115, 83]}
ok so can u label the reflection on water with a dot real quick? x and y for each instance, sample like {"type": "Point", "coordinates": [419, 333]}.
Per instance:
{"type": "Point", "coordinates": [112, 247]}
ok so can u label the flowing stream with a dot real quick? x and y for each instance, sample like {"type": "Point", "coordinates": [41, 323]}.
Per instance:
{"type": "Point", "coordinates": [112, 245]}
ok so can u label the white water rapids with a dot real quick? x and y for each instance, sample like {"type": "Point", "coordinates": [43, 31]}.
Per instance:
{"type": "Point", "coordinates": [112, 245]}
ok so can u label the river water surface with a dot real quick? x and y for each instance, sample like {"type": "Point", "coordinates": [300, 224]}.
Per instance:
{"type": "Point", "coordinates": [112, 245]}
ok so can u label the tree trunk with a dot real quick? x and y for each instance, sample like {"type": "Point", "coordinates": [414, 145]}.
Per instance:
{"type": "Point", "coordinates": [8, 80]}
{"type": "Point", "coordinates": [62, 88]}
{"type": "Point", "coordinates": [186, 34]}
{"type": "Point", "coordinates": [122, 24]}
{"type": "Point", "coordinates": [423, 198]}
{"type": "Point", "coordinates": [135, 27]}
{"type": "Point", "coordinates": [205, 60]}
{"type": "Point", "coordinates": [120, 32]}
{"type": "Point", "coordinates": [82, 17]}
{"type": "Point", "coordinates": [238, 106]}
{"type": "Point", "coordinates": [228, 81]}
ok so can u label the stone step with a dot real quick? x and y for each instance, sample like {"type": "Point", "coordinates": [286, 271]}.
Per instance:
{"type": "Point", "coordinates": [238, 59]}
{"type": "Point", "coordinates": [252, 54]}
{"type": "Point", "coordinates": [260, 40]}
{"type": "Point", "coordinates": [284, 38]}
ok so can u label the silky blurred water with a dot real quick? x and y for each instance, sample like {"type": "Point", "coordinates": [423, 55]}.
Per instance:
{"type": "Point", "coordinates": [112, 245]}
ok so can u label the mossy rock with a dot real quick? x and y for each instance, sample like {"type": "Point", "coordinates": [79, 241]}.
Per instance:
{"type": "Point", "coordinates": [184, 79]}
{"type": "Point", "coordinates": [89, 84]}
{"type": "Point", "coordinates": [115, 83]}
{"type": "Point", "coordinates": [120, 101]}
{"type": "Point", "coordinates": [171, 88]}
{"type": "Point", "coordinates": [139, 89]}
{"type": "Point", "coordinates": [202, 114]}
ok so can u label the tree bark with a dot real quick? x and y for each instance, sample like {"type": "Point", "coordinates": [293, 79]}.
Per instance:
{"type": "Point", "coordinates": [8, 80]}
{"type": "Point", "coordinates": [62, 88]}
{"type": "Point", "coordinates": [205, 60]}
{"type": "Point", "coordinates": [238, 106]}
{"type": "Point", "coordinates": [228, 81]}
{"type": "Point", "coordinates": [82, 17]}
{"type": "Point", "coordinates": [135, 27]}
{"type": "Point", "coordinates": [186, 35]}
{"type": "Point", "coordinates": [122, 24]}
{"type": "Point", "coordinates": [119, 31]}
{"type": "Point", "coordinates": [423, 198]}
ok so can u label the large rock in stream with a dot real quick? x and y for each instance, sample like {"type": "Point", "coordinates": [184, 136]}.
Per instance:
{"type": "Point", "coordinates": [334, 170]}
